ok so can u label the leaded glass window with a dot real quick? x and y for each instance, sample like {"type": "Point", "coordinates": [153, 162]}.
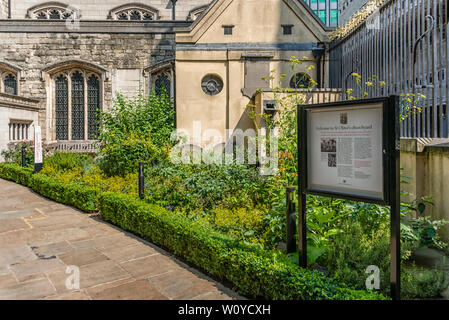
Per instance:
{"type": "Point", "coordinates": [41, 16]}
{"type": "Point", "coordinates": [77, 99]}
{"type": "Point", "coordinates": [54, 14]}
{"type": "Point", "coordinates": [135, 15]}
{"type": "Point", "coordinates": [67, 15]}
{"type": "Point", "coordinates": [62, 108]}
{"type": "Point", "coordinates": [162, 85]}
{"type": "Point", "coordinates": [122, 16]}
{"type": "Point", "coordinates": [93, 106]}
{"type": "Point", "coordinates": [77, 106]}
{"type": "Point", "coordinates": [147, 16]}
{"type": "Point", "coordinates": [10, 84]}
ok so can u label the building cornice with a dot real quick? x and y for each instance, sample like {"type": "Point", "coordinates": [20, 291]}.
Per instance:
{"type": "Point", "coordinates": [90, 26]}
{"type": "Point", "coordinates": [257, 46]}
{"type": "Point", "coordinates": [18, 102]}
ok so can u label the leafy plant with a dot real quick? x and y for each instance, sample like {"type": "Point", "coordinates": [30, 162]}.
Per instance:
{"type": "Point", "coordinates": [14, 152]}
{"type": "Point", "coordinates": [135, 129]}
{"type": "Point", "coordinates": [65, 161]}
{"type": "Point", "coordinates": [418, 282]}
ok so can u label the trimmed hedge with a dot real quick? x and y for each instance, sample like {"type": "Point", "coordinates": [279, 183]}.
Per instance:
{"type": "Point", "coordinates": [79, 196]}
{"type": "Point", "coordinates": [16, 173]}
{"type": "Point", "coordinates": [253, 271]}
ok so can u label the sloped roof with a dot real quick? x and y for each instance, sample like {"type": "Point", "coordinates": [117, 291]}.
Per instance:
{"type": "Point", "coordinates": [216, 7]}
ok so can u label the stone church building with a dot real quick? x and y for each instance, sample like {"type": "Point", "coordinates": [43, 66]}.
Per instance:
{"type": "Point", "coordinates": [62, 61]}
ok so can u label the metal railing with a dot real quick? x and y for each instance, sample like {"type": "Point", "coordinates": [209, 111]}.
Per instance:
{"type": "Point", "coordinates": [72, 146]}
{"type": "Point", "coordinates": [404, 43]}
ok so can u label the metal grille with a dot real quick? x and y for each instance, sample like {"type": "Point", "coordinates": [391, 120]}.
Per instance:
{"type": "Point", "coordinates": [383, 46]}
{"type": "Point", "coordinates": [62, 108]}
{"type": "Point", "coordinates": [10, 84]}
{"type": "Point", "coordinates": [77, 106]}
{"type": "Point", "coordinates": [93, 106]}
{"type": "Point", "coordinates": [162, 85]}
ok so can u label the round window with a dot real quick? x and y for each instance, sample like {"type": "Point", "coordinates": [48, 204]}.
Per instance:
{"type": "Point", "coordinates": [299, 81]}
{"type": "Point", "coordinates": [212, 85]}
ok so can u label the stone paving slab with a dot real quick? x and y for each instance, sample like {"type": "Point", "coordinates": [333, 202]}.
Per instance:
{"type": "Point", "coordinates": [40, 241]}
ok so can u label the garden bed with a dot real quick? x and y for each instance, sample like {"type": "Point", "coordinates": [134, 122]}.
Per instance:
{"type": "Point", "coordinates": [254, 272]}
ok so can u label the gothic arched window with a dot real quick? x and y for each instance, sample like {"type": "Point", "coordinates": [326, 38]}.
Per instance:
{"type": "Point", "coordinates": [159, 78]}
{"type": "Point", "coordinates": [135, 15]}
{"type": "Point", "coordinates": [134, 12]}
{"type": "Point", "coordinates": [77, 102]}
{"type": "Point", "coordinates": [10, 84]}
{"type": "Point", "coordinates": [41, 16]}
{"type": "Point", "coordinates": [62, 108]}
{"type": "Point", "coordinates": [77, 106]}
{"type": "Point", "coordinates": [55, 14]}
{"type": "Point", "coordinates": [162, 85]}
{"type": "Point", "coordinates": [52, 11]}
{"type": "Point", "coordinates": [93, 106]}
{"type": "Point", "coordinates": [9, 79]}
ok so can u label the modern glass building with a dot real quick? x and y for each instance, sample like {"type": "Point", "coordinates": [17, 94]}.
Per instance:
{"type": "Point", "coordinates": [326, 10]}
{"type": "Point", "coordinates": [347, 8]}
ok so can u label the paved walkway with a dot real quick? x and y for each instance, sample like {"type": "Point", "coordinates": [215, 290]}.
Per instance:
{"type": "Point", "coordinates": [39, 239]}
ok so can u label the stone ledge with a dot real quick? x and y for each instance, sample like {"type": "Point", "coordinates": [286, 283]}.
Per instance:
{"type": "Point", "coordinates": [18, 102]}
{"type": "Point", "coordinates": [111, 26]}
{"type": "Point", "coordinates": [417, 145]}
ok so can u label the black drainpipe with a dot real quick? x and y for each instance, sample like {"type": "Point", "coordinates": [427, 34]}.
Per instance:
{"type": "Point", "coordinates": [318, 54]}
{"type": "Point", "coordinates": [173, 9]}
{"type": "Point", "coordinates": [9, 9]}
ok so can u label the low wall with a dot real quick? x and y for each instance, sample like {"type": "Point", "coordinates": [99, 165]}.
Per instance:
{"type": "Point", "coordinates": [18, 111]}
{"type": "Point", "coordinates": [426, 162]}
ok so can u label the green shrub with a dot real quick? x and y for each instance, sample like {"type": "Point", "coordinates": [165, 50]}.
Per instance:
{"type": "Point", "coordinates": [352, 251]}
{"type": "Point", "coordinates": [135, 129]}
{"type": "Point", "coordinates": [16, 173]}
{"type": "Point", "coordinates": [122, 156]}
{"type": "Point", "coordinates": [423, 283]}
{"type": "Point", "coordinates": [64, 161]}
{"type": "Point", "coordinates": [241, 223]}
{"type": "Point", "coordinates": [254, 271]}
{"type": "Point", "coordinates": [14, 152]}
{"type": "Point", "coordinates": [203, 187]}
{"type": "Point", "coordinates": [79, 196]}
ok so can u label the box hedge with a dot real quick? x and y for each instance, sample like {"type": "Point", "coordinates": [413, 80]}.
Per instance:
{"type": "Point", "coordinates": [79, 196]}
{"type": "Point", "coordinates": [16, 173]}
{"type": "Point", "coordinates": [253, 271]}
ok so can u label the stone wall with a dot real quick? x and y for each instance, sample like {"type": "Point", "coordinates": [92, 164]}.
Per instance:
{"type": "Point", "coordinates": [34, 52]}
{"type": "Point", "coordinates": [99, 10]}
{"type": "Point", "coordinates": [426, 161]}
{"type": "Point", "coordinates": [3, 9]}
